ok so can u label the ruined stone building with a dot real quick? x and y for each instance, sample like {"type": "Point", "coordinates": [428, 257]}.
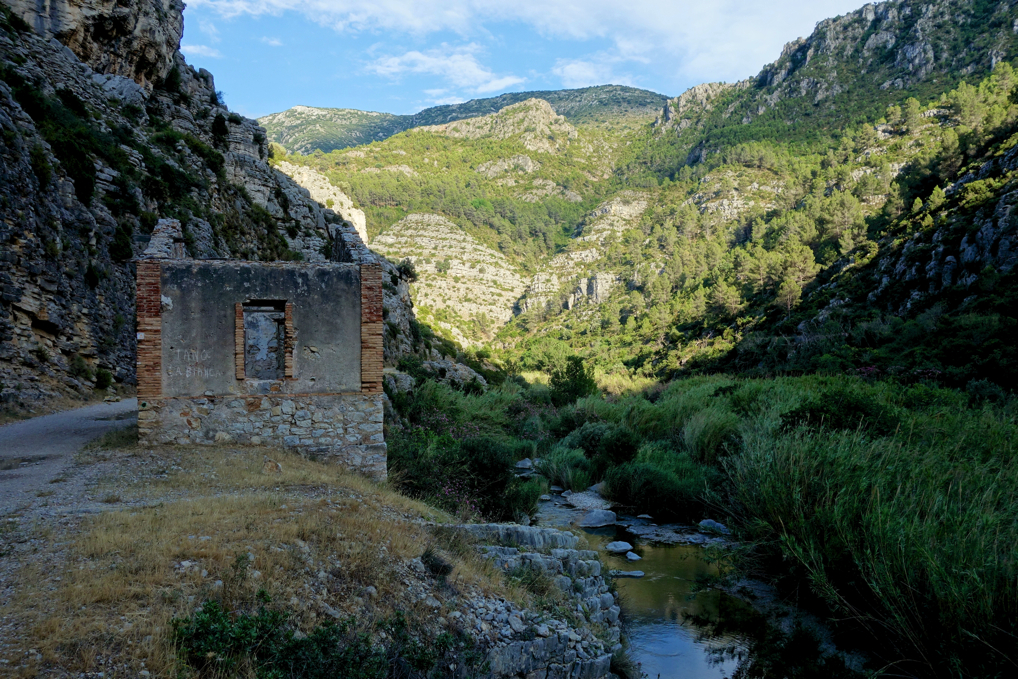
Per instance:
{"type": "Point", "coordinates": [278, 353]}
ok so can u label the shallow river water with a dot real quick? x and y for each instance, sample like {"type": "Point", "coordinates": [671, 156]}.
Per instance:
{"type": "Point", "coordinates": [660, 607]}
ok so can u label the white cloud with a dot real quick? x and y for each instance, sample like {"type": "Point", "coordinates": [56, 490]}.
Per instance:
{"type": "Point", "coordinates": [458, 65]}
{"type": "Point", "coordinates": [200, 51]}
{"type": "Point", "coordinates": [599, 69]}
{"type": "Point", "coordinates": [209, 29]}
{"type": "Point", "coordinates": [719, 40]}
{"type": "Point", "coordinates": [272, 42]}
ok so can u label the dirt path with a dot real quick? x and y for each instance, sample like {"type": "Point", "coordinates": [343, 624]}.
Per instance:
{"type": "Point", "coordinates": [35, 452]}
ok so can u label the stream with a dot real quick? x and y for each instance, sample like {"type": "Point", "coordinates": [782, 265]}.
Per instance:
{"type": "Point", "coordinates": [664, 617]}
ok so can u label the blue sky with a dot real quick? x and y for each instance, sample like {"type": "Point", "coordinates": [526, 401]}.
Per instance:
{"type": "Point", "coordinates": [400, 56]}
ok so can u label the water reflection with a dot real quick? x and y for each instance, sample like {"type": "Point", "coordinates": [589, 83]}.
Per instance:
{"type": "Point", "coordinates": [661, 606]}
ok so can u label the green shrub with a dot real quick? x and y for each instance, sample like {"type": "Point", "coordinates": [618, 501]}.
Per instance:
{"type": "Point", "coordinates": [471, 477]}
{"type": "Point", "coordinates": [572, 381]}
{"type": "Point", "coordinates": [916, 530]}
{"type": "Point", "coordinates": [103, 378]}
{"type": "Point", "coordinates": [566, 467]}
{"type": "Point", "coordinates": [648, 489]}
{"type": "Point", "coordinates": [79, 368]}
{"type": "Point", "coordinates": [41, 166]}
{"type": "Point", "coordinates": [121, 248]}
{"type": "Point", "coordinates": [220, 131]}
{"type": "Point", "coordinates": [839, 405]}
{"type": "Point", "coordinates": [617, 446]}
{"type": "Point", "coordinates": [707, 431]}
{"type": "Point", "coordinates": [587, 437]}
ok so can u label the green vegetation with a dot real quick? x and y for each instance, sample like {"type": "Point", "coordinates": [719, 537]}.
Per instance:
{"type": "Point", "coordinates": [893, 501]}
{"type": "Point", "coordinates": [214, 643]}
{"type": "Point", "coordinates": [341, 128]}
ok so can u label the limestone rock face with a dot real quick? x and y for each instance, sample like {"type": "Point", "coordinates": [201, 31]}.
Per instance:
{"type": "Point", "coordinates": [614, 216]}
{"type": "Point", "coordinates": [494, 168]}
{"type": "Point", "coordinates": [534, 122]}
{"type": "Point", "coordinates": [136, 39]}
{"type": "Point", "coordinates": [327, 195]}
{"type": "Point", "coordinates": [68, 234]}
{"type": "Point", "coordinates": [457, 273]}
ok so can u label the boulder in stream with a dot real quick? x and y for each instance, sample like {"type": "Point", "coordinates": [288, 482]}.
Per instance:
{"type": "Point", "coordinates": [597, 518]}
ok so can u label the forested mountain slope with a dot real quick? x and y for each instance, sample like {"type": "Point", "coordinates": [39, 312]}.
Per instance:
{"type": "Point", "coordinates": [306, 129]}
{"type": "Point", "coordinates": [742, 212]}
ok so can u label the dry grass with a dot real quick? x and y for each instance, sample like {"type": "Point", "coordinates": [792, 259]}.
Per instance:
{"type": "Point", "coordinates": [317, 538]}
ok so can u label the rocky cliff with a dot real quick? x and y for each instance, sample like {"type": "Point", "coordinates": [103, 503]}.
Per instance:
{"type": "Point", "coordinates": [845, 73]}
{"type": "Point", "coordinates": [136, 39]}
{"type": "Point", "coordinates": [534, 122]}
{"type": "Point", "coordinates": [106, 129]}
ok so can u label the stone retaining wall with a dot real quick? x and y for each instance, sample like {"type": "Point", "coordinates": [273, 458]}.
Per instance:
{"type": "Point", "coordinates": [346, 428]}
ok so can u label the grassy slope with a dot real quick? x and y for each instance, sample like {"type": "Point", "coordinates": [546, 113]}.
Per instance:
{"type": "Point", "coordinates": [186, 527]}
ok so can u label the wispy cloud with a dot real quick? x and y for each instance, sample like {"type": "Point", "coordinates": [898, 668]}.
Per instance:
{"type": "Point", "coordinates": [272, 42]}
{"type": "Point", "coordinates": [200, 51]}
{"type": "Point", "coordinates": [719, 40]}
{"type": "Point", "coordinates": [598, 69]}
{"type": "Point", "coordinates": [457, 65]}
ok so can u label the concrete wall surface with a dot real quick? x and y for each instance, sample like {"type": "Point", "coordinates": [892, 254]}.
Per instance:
{"type": "Point", "coordinates": [198, 300]}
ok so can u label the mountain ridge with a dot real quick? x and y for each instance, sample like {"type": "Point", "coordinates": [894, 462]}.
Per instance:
{"type": "Point", "coordinates": [346, 127]}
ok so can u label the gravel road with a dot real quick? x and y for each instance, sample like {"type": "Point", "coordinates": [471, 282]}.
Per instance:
{"type": "Point", "coordinates": [36, 451]}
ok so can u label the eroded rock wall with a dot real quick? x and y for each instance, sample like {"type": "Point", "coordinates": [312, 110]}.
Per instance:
{"type": "Point", "coordinates": [105, 130]}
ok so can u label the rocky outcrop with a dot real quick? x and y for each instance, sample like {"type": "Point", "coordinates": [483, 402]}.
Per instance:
{"type": "Point", "coordinates": [614, 216]}
{"type": "Point", "coordinates": [595, 290]}
{"type": "Point", "coordinates": [136, 39]}
{"type": "Point", "coordinates": [494, 168]}
{"type": "Point", "coordinates": [535, 644]}
{"type": "Point", "coordinates": [73, 216]}
{"type": "Point", "coordinates": [683, 109]}
{"type": "Point", "coordinates": [327, 195]}
{"type": "Point", "coordinates": [533, 122]}
{"type": "Point", "coordinates": [457, 274]}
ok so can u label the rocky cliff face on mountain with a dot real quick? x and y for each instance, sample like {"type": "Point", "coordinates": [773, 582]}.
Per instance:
{"type": "Point", "coordinates": [136, 39]}
{"type": "Point", "coordinates": [462, 282]}
{"type": "Point", "coordinates": [848, 70]}
{"type": "Point", "coordinates": [105, 130]}
{"type": "Point", "coordinates": [533, 121]}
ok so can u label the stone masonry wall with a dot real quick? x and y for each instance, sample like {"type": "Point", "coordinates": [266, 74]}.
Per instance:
{"type": "Point", "coordinates": [346, 428]}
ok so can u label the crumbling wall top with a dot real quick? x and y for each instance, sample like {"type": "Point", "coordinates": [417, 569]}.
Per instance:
{"type": "Point", "coordinates": [167, 241]}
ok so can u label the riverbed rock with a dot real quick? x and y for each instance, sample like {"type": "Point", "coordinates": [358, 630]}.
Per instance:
{"type": "Point", "coordinates": [618, 547]}
{"type": "Point", "coordinates": [597, 518]}
{"type": "Point", "coordinates": [633, 556]}
{"type": "Point", "coordinates": [712, 526]}
{"type": "Point", "coordinates": [627, 574]}
{"type": "Point", "coordinates": [524, 536]}
{"type": "Point", "coordinates": [588, 500]}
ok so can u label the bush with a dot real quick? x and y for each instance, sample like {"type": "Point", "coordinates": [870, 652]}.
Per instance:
{"type": "Point", "coordinates": [646, 488]}
{"type": "Point", "coordinates": [216, 643]}
{"type": "Point", "coordinates": [121, 248]}
{"type": "Point", "coordinates": [407, 270]}
{"type": "Point", "coordinates": [617, 446]}
{"type": "Point", "coordinates": [472, 478]}
{"type": "Point", "coordinates": [572, 381]}
{"type": "Point", "coordinates": [566, 467]}
{"type": "Point", "coordinates": [846, 407]}
{"type": "Point", "coordinates": [79, 368]}
{"type": "Point", "coordinates": [707, 431]}
{"type": "Point", "coordinates": [220, 131]}
{"type": "Point", "coordinates": [103, 378]}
